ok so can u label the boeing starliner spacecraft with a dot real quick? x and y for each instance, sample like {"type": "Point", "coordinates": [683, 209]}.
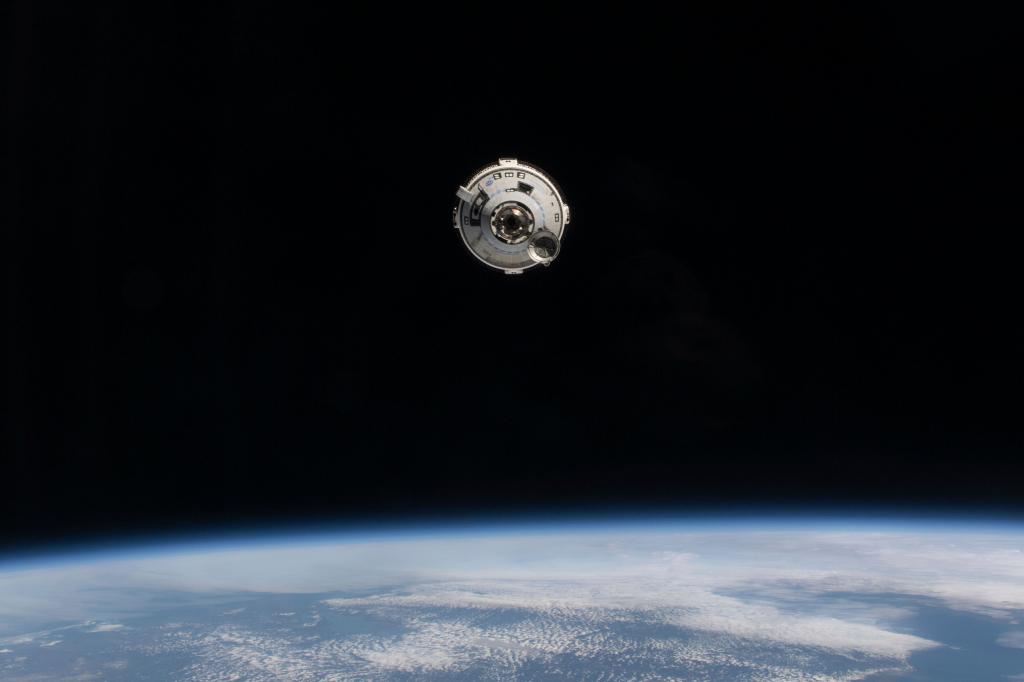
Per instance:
{"type": "Point", "coordinates": [511, 216]}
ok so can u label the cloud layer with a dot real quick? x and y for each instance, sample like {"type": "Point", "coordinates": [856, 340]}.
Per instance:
{"type": "Point", "coordinates": [690, 600]}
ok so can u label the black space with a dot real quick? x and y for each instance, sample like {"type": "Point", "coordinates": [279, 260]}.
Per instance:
{"type": "Point", "coordinates": [233, 293]}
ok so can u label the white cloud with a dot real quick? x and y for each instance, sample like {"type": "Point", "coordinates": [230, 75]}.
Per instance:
{"type": "Point", "coordinates": [1013, 639]}
{"type": "Point", "coordinates": [663, 602]}
{"type": "Point", "coordinates": [442, 647]}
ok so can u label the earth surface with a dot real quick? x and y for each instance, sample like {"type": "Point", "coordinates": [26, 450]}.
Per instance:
{"type": "Point", "coordinates": [639, 600]}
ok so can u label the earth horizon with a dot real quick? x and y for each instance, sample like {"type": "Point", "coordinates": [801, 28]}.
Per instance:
{"type": "Point", "coordinates": [769, 599]}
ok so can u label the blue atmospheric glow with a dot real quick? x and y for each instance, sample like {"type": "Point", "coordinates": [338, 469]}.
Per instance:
{"type": "Point", "coordinates": [492, 526]}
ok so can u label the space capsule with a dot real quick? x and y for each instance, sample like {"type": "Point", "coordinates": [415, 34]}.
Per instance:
{"type": "Point", "coordinates": [511, 216]}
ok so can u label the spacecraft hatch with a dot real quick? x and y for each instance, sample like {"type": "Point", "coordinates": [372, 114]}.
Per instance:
{"type": "Point", "coordinates": [511, 216]}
